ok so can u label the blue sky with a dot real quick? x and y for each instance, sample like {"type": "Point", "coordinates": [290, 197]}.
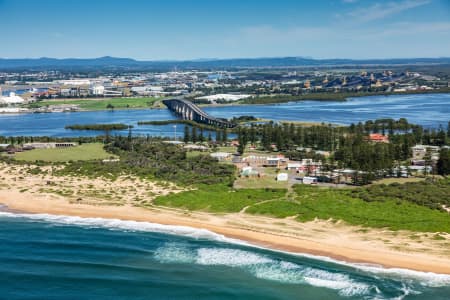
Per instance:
{"type": "Point", "coordinates": [177, 29]}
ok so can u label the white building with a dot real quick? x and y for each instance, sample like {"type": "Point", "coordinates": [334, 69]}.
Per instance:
{"type": "Point", "coordinates": [97, 90]}
{"type": "Point", "coordinates": [221, 156]}
{"type": "Point", "coordinates": [282, 177]}
{"type": "Point", "coordinates": [12, 99]}
{"type": "Point", "coordinates": [225, 97]}
{"type": "Point", "coordinates": [74, 82]}
{"type": "Point", "coordinates": [148, 90]}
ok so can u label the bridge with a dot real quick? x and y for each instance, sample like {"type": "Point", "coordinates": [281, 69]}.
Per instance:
{"type": "Point", "coordinates": [186, 110]}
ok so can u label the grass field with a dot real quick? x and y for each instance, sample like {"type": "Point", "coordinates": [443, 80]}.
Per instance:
{"type": "Point", "coordinates": [307, 203]}
{"type": "Point", "coordinates": [398, 180]}
{"type": "Point", "coordinates": [312, 202]}
{"type": "Point", "coordinates": [219, 198]}
{"type": "Point", "coordinates": [100, 104]}
{"type": "Point", "coordinates": [82, 152]}
{"type": "Point", "coordinates": [267, 181]}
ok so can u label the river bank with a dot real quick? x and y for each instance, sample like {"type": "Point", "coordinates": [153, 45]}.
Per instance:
{"type": "Point", "coordinates": [430, 111]}
{"type": "Point", "coordinates": [128, 103]}
{"type": "Point", "coordinates": [21, 191]}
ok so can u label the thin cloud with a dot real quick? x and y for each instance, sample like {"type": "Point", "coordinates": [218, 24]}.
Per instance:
{"type": "Point", "coordinates": [380, 11]}
{"type": "Point", "coordinates": [408, 28]}
{"type": "Point", "coordinates": [266, 34]}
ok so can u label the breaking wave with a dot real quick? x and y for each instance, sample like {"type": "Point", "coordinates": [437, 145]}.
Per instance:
{"type": "Point", "coordinates": [261, 266]}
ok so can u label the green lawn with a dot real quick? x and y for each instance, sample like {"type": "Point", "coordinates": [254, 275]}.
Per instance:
{"type": "Point", "coordinates": [308, 203]}
{"type": "Point", "coordinates": [312, 202]}
{"type": "Point", "coordinates": [100, 104]}
{"type": "Point", "coordinates": [82, 152]}
{"type": "Point", "coordinates": [266, 181]}
{"type": "Point", "coordinates": [219, 198]}
{"type": "Point", "coordinates": [398, 180]}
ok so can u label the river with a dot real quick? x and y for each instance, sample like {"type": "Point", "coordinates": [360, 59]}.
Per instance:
{"type": "Point", "coordinates": [429, 110]}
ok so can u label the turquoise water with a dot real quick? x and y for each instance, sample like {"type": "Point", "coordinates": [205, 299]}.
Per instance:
{"type": "Point", "coordinates": [50, 257]}
{"type": "Point", "coordinates": [429, 110]}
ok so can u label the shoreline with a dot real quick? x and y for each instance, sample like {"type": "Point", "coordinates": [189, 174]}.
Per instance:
{"type": "Point", "coordinates": [339, 246]}
{"type": "Point", "coordinates": [347, 98]}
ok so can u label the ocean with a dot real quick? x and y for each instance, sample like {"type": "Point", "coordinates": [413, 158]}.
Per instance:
{"type": "Point", "coordinates": [60, 257]}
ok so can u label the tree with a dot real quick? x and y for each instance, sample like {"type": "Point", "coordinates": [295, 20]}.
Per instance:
{"type": "Point", "coordinates": [218, 136]}
{"type": "Point", "coordinates": [130, 133]}
{"type": "Point", "coordinates": [443, 164]}
{"type": "Point", "coordinates": [201, 137]}
{"type": "Point", "coordinates": [252, 134]}
{"type": "Point", "coordinates": [107, 137]}
{"type": "Point", "coordinates": [194, 134]}
{"type": "Point", "coordinates": [224, 136]}
{"type": "Point", "coordinates": [110, 106]}
{"type": "Point", "coordinates": [440, 137]}
{"type": "Point", "coordinates": [187, 136]}
{"type": "Point", "coordinates": [448, 129]}
{"type": "Point", "coordinates": [242, 141]}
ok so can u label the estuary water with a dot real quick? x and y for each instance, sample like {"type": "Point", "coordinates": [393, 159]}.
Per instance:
{"type": "Point", "coordinates": [429, 110]}
{"type": "Point", "coordinates": [58, 257]}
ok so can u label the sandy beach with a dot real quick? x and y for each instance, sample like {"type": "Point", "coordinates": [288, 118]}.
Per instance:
{"type": "Point", "coordinates": [400, 249]}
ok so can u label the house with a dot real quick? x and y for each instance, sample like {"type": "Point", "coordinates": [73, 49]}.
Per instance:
{"type": "Point", "coordinates": [293, 166]}
{"type": "Point", "coordinates": [4, 147]}
{"type": "Point", "coordinates": [419, 151]}
{"type": "Point", "coordinates": [48, 145]}
{"type": "Point", "coordinates": [193, 147]}
{"type": "Point", "coordinates": [282, 177]}
{"type": "Point", "coordinates": [308, 165]}
{"type": "Point", "coordinates": [418, 162]}
{"type": "Point", "coordinates": [272, 162]}
{"type": "Point", "coordinates": [378, 138]}
{"type": "Point", "coordinates": [420, 169]}
{"type": "Point", "coordinates": [221, 156]}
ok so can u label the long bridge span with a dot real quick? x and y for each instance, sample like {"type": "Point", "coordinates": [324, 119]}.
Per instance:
{"type": "Point", "coordinates": [186, 110]}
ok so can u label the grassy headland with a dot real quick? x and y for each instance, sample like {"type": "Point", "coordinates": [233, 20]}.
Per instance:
{"type": "Point", "coordinates": [224, 200]}
{"type": "Point", "coordinates": [102, 103]}
{"type": "Point", "coordinates": [306, 203]}
{"type": "Point", "coordinates": [82, 152]}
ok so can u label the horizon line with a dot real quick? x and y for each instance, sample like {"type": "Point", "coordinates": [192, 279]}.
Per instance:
{"type": "Point", "coordinates": [216, 58]}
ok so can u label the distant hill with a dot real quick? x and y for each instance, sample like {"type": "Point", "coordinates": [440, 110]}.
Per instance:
{"type": "Point", "coordinates": [114, 63]}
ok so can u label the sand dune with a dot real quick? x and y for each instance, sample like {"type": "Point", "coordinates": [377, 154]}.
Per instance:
{"type": "Point", "coordinates": [42, 194]}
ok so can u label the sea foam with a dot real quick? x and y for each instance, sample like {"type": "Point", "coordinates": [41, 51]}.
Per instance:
{"type": "Point", "coordinates": [262, 266]}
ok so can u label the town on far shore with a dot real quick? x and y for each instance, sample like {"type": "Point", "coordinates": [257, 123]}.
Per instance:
{"type": "Point", "coordinates": [61, 90]}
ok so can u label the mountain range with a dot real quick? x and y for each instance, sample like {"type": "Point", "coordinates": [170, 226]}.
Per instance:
{"type": "Point", "coordinates": [115, 63]}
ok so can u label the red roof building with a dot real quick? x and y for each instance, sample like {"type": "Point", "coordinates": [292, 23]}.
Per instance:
{"type": "Point", "coordinates": [378, 138]}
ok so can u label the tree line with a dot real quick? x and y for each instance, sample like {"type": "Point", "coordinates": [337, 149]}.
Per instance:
{"type": "Point", "coordinates": [350, 146]}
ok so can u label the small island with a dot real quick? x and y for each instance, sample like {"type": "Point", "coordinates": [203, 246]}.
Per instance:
{"type": "Point", "coordinates": [99, 127]}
